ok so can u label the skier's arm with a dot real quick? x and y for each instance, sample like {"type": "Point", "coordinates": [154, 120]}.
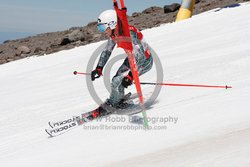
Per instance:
{"type": "Point", "coordinates": [106, 54]}
{"type": "Point", "coordinates": [103, 59]}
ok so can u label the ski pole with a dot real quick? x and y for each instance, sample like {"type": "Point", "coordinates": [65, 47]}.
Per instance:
{"type": "Point", "coordinates": [188, 85]}
{"type": "Point", "coordinates": [81, 73]}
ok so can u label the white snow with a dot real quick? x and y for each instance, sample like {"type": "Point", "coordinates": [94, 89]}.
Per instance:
{"type": "Point", "coordinates": [213, 126]}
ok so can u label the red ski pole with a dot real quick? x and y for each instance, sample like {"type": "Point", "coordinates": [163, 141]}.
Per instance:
{"type": "Point", "coordinates": [80, 73]}
{"type": "Point", "coordinates": [188, 85]}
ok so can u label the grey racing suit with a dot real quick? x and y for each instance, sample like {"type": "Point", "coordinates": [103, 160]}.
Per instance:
{"type": "Point", "coordinates": [143, 58]}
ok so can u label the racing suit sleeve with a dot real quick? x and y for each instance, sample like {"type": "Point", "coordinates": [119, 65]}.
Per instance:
{"type": "Point", "coordinates": [106, 53]}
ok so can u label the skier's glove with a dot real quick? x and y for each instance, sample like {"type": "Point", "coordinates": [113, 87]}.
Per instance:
{"type": "Point", "coordinates": [96, 73]}
{"type": "Point", "coordinates": [128, 80]}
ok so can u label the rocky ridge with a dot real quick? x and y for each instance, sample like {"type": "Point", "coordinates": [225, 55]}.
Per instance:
{"type": "Point", "coordinates": [47, 43]}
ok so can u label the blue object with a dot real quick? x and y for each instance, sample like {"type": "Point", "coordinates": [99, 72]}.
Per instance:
{"type": "Point", "coordinates": [102, 27]}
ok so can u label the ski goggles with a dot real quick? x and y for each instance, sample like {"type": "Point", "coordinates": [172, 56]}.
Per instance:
{"type": "Point", "coordinates": [102, 27]}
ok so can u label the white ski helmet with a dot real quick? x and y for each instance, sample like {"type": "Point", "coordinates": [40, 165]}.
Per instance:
{"type": "Point", "coordinates": [108, 18]}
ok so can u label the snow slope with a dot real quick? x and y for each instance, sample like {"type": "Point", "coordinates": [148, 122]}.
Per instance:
{"type": "Point", "coordinates": [212, 126]}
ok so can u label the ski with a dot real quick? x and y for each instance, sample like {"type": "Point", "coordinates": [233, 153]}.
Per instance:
{"type": "Point", "coordinates": [63, 126]}
{"type": "Point", "coordinates": [62, 123]}
{"type": "Point", "coordinates": [60, 130]}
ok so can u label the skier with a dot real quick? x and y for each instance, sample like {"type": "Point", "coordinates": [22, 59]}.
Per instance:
{"type": "Point", "coordinates": [107, 23]}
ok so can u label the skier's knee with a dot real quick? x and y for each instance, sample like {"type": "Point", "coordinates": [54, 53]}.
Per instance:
{"type": "Point", "coordinates": [116, 81]}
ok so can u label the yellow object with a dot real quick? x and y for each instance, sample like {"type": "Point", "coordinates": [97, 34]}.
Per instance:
{"type": "Point", "coordinates": [186, 10]}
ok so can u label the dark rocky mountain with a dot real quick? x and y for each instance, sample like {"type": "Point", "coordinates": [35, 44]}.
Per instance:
{"type": "Point", "coordinates": [77, 36]}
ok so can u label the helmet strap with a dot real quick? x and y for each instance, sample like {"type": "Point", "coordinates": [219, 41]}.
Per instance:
{"type": "Point", "coordinates": [113, 32]}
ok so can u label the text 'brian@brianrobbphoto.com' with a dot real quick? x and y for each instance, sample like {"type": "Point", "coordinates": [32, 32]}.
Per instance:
{"type": "Point", "coordinates": [131, 123]}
